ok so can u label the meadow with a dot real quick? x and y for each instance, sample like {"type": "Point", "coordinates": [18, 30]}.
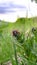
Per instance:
{"type": "Point", "coordinates": [11, 49]}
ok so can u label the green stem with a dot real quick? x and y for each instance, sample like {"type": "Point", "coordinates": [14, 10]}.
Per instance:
{"type": "Point", "coordinates": [15, 54]}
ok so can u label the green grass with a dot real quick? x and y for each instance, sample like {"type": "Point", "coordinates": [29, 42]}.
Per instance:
{"type": "Point", "coordinates": [10, 48]}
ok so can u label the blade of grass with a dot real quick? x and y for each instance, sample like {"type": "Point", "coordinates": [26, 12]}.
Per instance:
{"type": "Point", "coordinates": [15, 53]}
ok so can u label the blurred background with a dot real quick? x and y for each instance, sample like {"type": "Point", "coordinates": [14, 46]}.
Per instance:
{"type": "Point", "coordinates": [10, 10]}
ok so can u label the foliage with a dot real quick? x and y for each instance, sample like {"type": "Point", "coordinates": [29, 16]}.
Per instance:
{"type": "Point", "coordinates": [34, 0]}
{"type": "Point", "coordinates": [11, 49]}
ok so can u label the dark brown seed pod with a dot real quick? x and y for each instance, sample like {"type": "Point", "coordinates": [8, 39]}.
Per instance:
{"type": "Point", "coordinates": [15, 33]}
{"type": "Point", "coordinates": [19, 36]}
{"type": "Point", "coordinates": [33, 29]}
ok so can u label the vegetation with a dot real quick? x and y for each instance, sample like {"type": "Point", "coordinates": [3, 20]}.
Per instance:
{"type": "Point", "coordinates": [11, 49]}
{"type": "Point", "coordinates": [34, 0]}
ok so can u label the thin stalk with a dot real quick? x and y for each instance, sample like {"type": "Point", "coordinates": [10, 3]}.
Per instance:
{"type": "Point", "coordinates": [15, 53]}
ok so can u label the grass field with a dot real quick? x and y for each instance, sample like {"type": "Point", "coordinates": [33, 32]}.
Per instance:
{"type": "Point", "coordinates": [11, 49]}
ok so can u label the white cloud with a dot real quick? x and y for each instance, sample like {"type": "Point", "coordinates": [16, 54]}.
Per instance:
{"type": "Point", "coordinates": [11, 17]}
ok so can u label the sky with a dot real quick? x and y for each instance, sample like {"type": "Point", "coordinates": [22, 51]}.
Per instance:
{"type": "Point", "coordinates": [10, 10]}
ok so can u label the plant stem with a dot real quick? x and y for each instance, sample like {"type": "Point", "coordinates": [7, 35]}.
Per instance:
{"type": "Point", "coordinates": [15, 53]}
